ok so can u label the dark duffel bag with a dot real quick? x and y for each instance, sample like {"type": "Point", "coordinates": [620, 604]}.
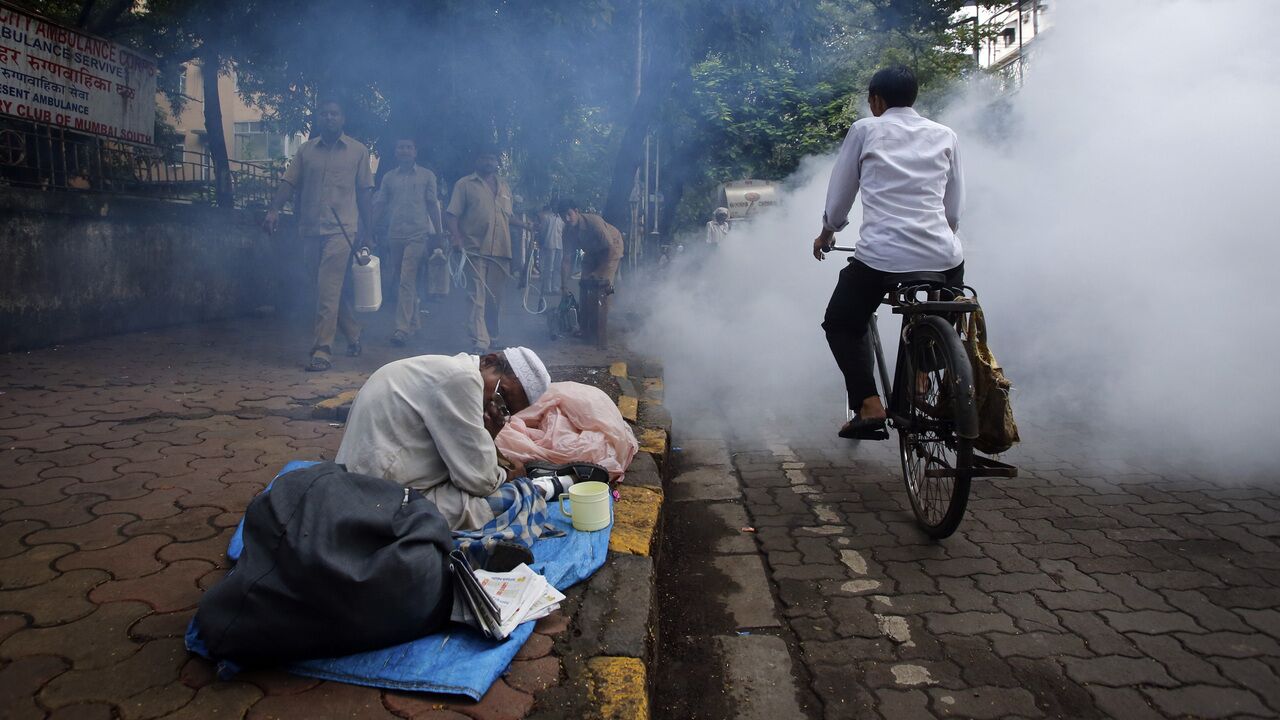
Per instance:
{"type": "Point", "coordinates": [334, 563]}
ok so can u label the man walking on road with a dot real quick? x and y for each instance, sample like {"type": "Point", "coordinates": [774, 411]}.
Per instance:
{"type": "Point", "coordinates": [908, 170]}
{"type": "Point", "coordinates": [408, 206]}
{"type": "Point", "coordinates": [334, 184]}
{"type": "Point", "coordinates": [479, 223]}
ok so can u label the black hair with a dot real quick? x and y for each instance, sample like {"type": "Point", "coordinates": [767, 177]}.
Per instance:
{"type": "Point", "coordinates": [332, 101]}
{"type": "Point", "coordinates": [896, 85]}
{"type": "Point", "coordinates": [564, 205]}
{"type": "Point", "coordinates": [501, 364]}
{"type": "Point", "coordinates": [487, 150]}
{"type": "Point", "coordinates": [401, 137]}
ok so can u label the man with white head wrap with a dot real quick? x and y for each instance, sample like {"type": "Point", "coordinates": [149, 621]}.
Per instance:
{"type": "Point", "coordinates": [428, 423]}
{"type": "Point", "coordinates": [718, 227]}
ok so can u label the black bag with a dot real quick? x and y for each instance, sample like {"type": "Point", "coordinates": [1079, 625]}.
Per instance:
{"type": "Point", "coordinates": [334, 563]}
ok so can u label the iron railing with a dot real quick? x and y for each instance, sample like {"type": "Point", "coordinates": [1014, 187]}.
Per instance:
{"type": "Point", "coordinates": [49, 158]}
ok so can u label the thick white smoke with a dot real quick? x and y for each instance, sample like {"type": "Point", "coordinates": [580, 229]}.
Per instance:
{"type": "Point", "coordinates": [1123, 230]}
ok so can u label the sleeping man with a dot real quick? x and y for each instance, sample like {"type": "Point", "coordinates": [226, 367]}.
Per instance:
{"type": "Point", "coordinates": [428, 423]}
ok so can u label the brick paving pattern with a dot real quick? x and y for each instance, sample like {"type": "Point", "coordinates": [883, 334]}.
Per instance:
{"type": "Point", "coordinates": [1084, 588]}
{"type": "Point", "coordinates": [125, 464]}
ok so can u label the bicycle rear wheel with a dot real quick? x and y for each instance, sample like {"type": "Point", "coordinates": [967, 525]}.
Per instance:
{"type": "Point", "coordinates": [937, 464]}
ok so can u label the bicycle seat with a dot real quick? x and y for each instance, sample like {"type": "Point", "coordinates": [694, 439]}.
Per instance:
{"type": "Point", "coordinates": [908, 279]}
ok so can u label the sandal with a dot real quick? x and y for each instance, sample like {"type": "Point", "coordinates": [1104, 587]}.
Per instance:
{"type": "Point", "coordinates": [319, 364]}
{"type": "Point", "coordinates": [506, 556]}
{"type": "Point", "coordinates": [864, 429]}
{"type": "Point", "coordinates": [353, 349]}
{"type": "Point", "coordinates": [399, 338]}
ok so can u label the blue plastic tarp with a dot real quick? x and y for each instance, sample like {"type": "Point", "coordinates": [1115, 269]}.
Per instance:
{"type": "Point", "coordinates": [460, 661]}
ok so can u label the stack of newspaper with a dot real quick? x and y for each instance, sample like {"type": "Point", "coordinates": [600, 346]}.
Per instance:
{"type": "Point", "coordinates": [496, 603]}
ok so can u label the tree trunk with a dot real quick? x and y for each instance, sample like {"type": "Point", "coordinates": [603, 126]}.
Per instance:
{"type": "Point", "coordinates": [217, 142]}
{"type": "Point", "coordinates": [679, 168]}
{"type": "Point", "coordinates": [662, 67]}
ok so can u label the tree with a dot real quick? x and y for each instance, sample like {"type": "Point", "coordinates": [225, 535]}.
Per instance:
{"type": "Point", "coordinates": [733, 89]}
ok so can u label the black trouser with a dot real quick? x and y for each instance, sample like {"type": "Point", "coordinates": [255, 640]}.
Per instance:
{"type": "Point", "coordinates": [855, 299]}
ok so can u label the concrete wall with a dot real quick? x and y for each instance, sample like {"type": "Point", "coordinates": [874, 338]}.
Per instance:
{"type": "Point", "coordinates": [75, 266]}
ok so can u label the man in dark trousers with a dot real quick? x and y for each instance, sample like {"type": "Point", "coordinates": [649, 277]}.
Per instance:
{"type": "Point", "coordinates": [331, 176]}
{"type": "Point", "coordinates": [602, 247]}
{"type": "Point", "coordinates": [908, 170]}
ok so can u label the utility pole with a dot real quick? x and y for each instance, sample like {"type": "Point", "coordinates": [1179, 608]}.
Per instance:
{"type": "Point", "coordinates": [1020, 56]}
{"type": "Point", "coordinates": [639, 49]}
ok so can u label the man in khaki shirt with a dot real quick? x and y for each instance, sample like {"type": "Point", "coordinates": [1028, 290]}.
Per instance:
{"type": "Point", "coordinates": [408, 211]}
{"type": "Point", "coordinates": [601, 244]}
{"type": "Point", "coordinates": [329, 174]}
{"type": "Point", "coordinates": [479, 223]}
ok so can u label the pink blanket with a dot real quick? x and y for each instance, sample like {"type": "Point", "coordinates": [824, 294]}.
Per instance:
{"type": "Point", "coordinates": [571, 422]}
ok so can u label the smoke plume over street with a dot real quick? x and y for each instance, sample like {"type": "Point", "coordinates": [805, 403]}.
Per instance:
{"type": "Point", "coordinates": [1117, 230]}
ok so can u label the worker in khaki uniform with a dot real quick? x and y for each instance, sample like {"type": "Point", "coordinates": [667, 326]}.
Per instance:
{"type": "Point", "coordinates": [330, 175]}
{"type": "Point", "coordinates": [479, 223]}
{"type": "Point", "coordinates": [407, 208]}
{"type": "Point", "coordinates": [602, 247]}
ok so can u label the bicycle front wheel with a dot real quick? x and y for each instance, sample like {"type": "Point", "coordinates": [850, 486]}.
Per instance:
{"type": "Point", "coordinates": [937, 463]}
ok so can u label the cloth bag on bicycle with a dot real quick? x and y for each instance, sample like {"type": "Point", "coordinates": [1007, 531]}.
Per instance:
{"type": "Point", "coordinates": [997, 430]}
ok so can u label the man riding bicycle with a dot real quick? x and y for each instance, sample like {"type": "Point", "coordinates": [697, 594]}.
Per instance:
{"type": "Point", "coordinates": [908, 170]}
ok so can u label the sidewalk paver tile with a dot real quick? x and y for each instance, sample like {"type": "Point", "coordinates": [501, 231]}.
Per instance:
{"type": "Point", "coordinates": [95, 641]}
{"type": "Point", "coordinates": [62, 599]}
{"type": "Point", "coordinates": [133, 558]}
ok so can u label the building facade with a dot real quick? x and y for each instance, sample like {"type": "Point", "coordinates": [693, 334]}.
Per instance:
{"type": "Point", "coordinates": [1009, 34]}
{"type": "Point", "coordinates": [248, 137]}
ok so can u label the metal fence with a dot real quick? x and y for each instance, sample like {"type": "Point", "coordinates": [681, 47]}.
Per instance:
{"type": "Point", "coordinates": [49, 158]}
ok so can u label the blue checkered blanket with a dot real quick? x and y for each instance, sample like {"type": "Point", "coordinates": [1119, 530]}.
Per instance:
{"type": "Point", "coordinates": [520, 515]}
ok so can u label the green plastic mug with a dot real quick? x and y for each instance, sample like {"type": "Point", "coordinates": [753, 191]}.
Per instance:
{"type": "Point", "coordinates": [589, 502]}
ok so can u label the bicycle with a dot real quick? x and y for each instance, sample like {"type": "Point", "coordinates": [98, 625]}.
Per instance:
{"type": "Point", "coordinates": [931, 399]}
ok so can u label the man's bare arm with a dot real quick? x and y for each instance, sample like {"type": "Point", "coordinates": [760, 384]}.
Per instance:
{"type": "Point", "coordinates": [282, 195]}
{"type": "Point", "coordinates": [433, 205]}
{"type": "Point", "coordinates": [451, 224]}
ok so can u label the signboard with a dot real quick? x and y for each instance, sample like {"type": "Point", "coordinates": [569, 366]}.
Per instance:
{"type": "Point", "coordinates": [57, 76]}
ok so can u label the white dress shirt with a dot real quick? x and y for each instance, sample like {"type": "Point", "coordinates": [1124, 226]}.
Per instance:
{"type": "Point", "coordinates": [717, 232]}
{"type": "Point", "coordinates": [552, 232]}
{"type": "Point", "coordinates": [908, 169]}
{"type": "Point", "coordinates": [420, 422]}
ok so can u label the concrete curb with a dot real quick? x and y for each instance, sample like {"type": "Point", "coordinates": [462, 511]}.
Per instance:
{"type": "Point", "coordinates": [611, 644]}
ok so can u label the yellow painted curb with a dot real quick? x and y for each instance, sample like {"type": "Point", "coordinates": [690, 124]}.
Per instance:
{"type": "Point", "coordinates": [617, 688]}
{"type": "Point", "coordinates": [337, 401]}
{"type": "Point", "coordinates": [635, 520]}
{"type": "Point", "coordinates": [653, 440]}
{"type": "Point", "coordinates": [618, 369]}
{"type": "Point", "coordinates": [629, 407]}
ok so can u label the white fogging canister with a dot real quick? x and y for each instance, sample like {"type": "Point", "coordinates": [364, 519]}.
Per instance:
{"type": "Point", "coordinates": [366, 278]}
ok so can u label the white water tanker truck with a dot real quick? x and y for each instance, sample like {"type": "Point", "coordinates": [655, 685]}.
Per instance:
{"type": "Point", "coordinates": [745, 198]}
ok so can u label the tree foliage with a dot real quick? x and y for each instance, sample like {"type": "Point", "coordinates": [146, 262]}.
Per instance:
{"type": "Point", "coordinates": [734, 89]}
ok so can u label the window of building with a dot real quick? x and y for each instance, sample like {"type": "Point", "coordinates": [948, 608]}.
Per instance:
{"type": "Point", "coordinates": [254, 141]}
{"type": "Point", "coordinates": [175, 82]}
{"type": "Point", "coordinates": [1009, 36]}
{"type": "Point", "coordinates": [175, 153]}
